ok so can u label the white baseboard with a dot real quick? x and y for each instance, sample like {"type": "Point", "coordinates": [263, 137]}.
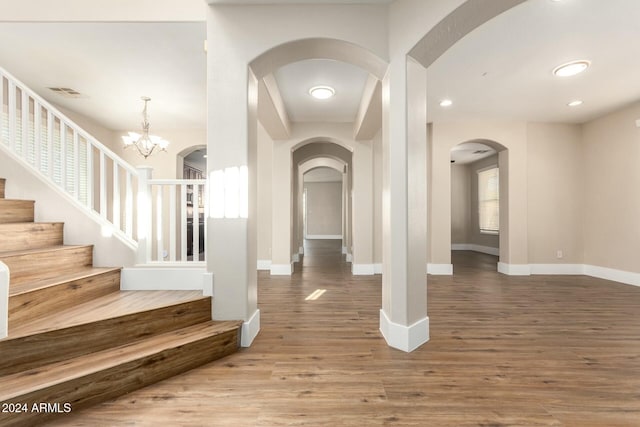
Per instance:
{"type": "Point", "coordinates": [323, 236]}
{"type": "Point", "coordinates": [281, 269]}
{"type": "Point", "coordinates": [440, 269]}
{"type": "Point", "coordinates": [156, 278]}
{"type": "Point", "coordinates": [4, 300]}
{"type": "Point", "coordinates": [405, 338]}
{"type": "Point", "coordinates": [377, 268]}
{"type": "Point", "coordinates": [514, 269]}
{"type": "Point", "coordinates": [626, 277]}
{"type": "Point", "coordinates": [349, 258]}
{"type": "Point", "coordinates": [250, 329]}
{"type": "Point", "coordinates": [476, 248]}
{"type": "Point", "coordinates": [560, 269]}
{"type": "Point", "coordinates": [264, 264]}
{"type": "Point", "coordinates": [363, 269]}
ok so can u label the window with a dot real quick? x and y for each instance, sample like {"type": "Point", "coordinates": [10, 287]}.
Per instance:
{"type": "Point", "coordinates": [489, 200]}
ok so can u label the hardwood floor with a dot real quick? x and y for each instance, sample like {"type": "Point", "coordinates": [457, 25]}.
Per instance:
{"type": "Point", "coordinates": [504, 351]}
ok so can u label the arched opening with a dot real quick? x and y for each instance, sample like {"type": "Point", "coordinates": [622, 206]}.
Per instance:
{"type": "Point", "coordinates": [478, 207]}
{"type": "Point", "coordinates": [329, 199]}
{"type": "Point", "coordinates": [273, 70]}
{"type": "Point", "coordinates": [191, 163]}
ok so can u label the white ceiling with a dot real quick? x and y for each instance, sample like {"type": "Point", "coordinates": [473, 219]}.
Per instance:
{"type": "Point", "coordinates": [469, 152]}
{"type": "Point", "coordinates": [299, 1]}
{"type": "Point", "coordinates": [113, 65]}
{"type": "Point", "coordinates": [294, 81]}
{"type": "Point", "coordinates": [504, 68]}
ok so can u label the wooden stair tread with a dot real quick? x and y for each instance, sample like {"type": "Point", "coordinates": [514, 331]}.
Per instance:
{"type": "Point", "coordinates": [54, 248]}
{"type": "Point", "coordinates": [12, 210]}
{"type": "Point", "coordinates": [21, 383]}
{"type": "Point", "coordinates": [108, 306]}
{"type": "Point", "coordinates": [59, 279]}
{"type": "Point", "coordinates": [30, 235]}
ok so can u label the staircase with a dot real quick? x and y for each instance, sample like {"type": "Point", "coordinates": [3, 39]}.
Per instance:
{"type": "Point", "coordinates": [75, 339]}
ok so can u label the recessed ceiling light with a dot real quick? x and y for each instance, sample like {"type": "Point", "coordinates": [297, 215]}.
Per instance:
{"type": "Point", "coordinates": [322, 92]}
{"type": "Point", "coordinates": [571, 68]}
{"type": "Point", "coordinates": [446, 103]}
{"type": "Point", "coordinates": [575, 103]}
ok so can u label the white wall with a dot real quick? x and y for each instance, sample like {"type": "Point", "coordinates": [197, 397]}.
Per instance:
{"type": "Point", "coordinates": [163, 163]}
{"type": "Point", "coordinates": [52, 206]}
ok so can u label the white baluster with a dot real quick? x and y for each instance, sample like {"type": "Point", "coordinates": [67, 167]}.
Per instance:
{"type": "Point", "coordinates": [76, 165]}
{"type": "Point", "coordinates": [63, 155]}
{"type": "Point", "coordinates": [183, 222]}
{"type": "Point", "coordinates": [116, 196]}
{"type": "Point", "coordinates": [24, 110]}
{"type": "Point", "coordinates": [89, 175]}
{"type": "Point", "coordinates": [196, 223]}
{"type": "Point", "coordinates": [172, 223]}
{"type": "Point", "coordinates": [37, 136]}
{"type": "Point", "coordinates": [159, 225]}
{"type": "Point", "coordinates": [12, 115]}
{"type": "Point", "coordinates": [128, 207]}
{"type": "Point", "coordinates": [50, 127]}
{"type": "Point", "coordinates": [103, 185]}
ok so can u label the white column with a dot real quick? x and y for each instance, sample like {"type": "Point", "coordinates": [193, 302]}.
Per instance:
{"type": "Point", "coordinates": [232, 97]}
{"type": "Point", "coordinates": [143, 214]}
{"type": "Point", "coordinates": [403, 318]}
{"type": "Point", "coordinates": [4, 300]}
{"type": "Point", "coordinates": [282, 210]}
{"type": "Point", "coordinates": [362, 262]}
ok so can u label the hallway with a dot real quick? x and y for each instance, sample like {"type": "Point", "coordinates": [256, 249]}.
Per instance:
{"type": "Point", "coordinates": [507, 351]}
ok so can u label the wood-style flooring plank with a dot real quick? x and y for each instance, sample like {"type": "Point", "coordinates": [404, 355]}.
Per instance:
{"type": "Point", "coordinates": [99, 324]}
{"type": "Point", "coordinates": [504, 351]}
{"type": "Point", "coordinates": [30, 235]}
{"type": "Point", "coordinates": [16, 210]}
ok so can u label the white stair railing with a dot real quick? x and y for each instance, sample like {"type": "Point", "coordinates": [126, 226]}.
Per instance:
{"type": "Point", "coordinates": [162, 219]}
{"type": "Point", "coordinates": [175, 222]}
{"type": "Point", "coordinates": [68, 158]}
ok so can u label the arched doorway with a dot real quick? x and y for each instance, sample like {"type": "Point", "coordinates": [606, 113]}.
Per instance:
{"type": "Point", "coordinates": [479, 210]}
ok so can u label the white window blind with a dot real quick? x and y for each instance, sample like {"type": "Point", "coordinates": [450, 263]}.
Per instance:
{"type": "Point", "coordinates": [489, 200]}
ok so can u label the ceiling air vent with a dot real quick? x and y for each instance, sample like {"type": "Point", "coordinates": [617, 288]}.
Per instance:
{"type": "Point", "coordinates": [66, 92]}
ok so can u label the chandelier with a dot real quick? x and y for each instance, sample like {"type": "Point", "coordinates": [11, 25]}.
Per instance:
{"type": "Point", "coordinates": [145, 143]}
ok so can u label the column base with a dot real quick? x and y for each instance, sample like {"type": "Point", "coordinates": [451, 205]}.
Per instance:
{"type": "Point", "coordinates": [281, 269]}
{"type": "Point", "coordinates": [401, 337]}
{"type": "Point", "coordinates": [250, 330]}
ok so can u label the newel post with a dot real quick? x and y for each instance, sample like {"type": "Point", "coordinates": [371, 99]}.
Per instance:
{"type": "Point", "coordinates": [144, 214]}
{"type": "Point", "coordinates": [4, 300]}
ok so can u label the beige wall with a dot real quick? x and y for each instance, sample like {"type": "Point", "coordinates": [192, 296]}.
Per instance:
{"type": "Point", "coordinates": [460, 204]}
{"type": "Point", "coordinates": [611, 146]}
{"type": "Point", "coordinates": [513, 164]}
{"type": "Point", "coordinates": [324, 208]}
{"type": "Point", "coordinates": [556, 189]}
